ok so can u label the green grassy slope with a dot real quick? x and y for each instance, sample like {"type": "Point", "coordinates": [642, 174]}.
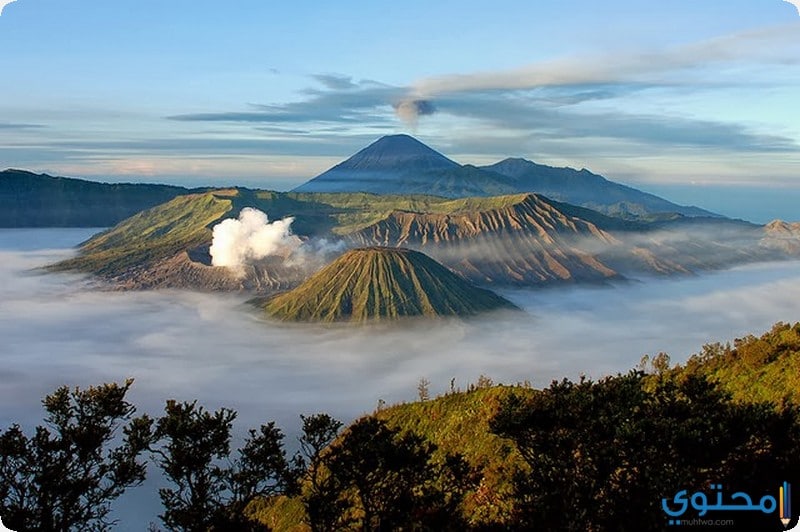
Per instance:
{"type": "Point", "coordinates": [754, 369]}
{"type": "Point", "coordinates": [184, 222]}
{"type": "Point", "coordinates": [459, 423]}
{"type": "Point", "coordinates": [154, 234]}
{"type": "Point", "coordinates": [382, 283]}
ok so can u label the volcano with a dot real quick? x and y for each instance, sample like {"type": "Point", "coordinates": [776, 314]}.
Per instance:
{"type": "Point", "coordinates": [378, 283]}
{"type": "Point", "coordinates": [400, 164]}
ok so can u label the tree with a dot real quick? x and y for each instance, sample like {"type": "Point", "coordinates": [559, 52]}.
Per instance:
{"type": "Point", "coordinates": [194, 442]}
{"type": "Point", "coordinates": [603, 454]}
{"type": "Point", "coordinates": [210, 491]}
{"type": "Point", "coordinates": [423, 389]}
{"type": "Point", "coordinates": [318, 432]}
{"type": "Point", "coordinates": [65, 476]}
{"type": "Point", "coordinates": [376, 478]}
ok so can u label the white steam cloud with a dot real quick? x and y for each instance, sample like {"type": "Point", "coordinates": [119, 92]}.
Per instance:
{"type": "Point", "coordinates": [4, 3]}
{"type": "Point", "coordinates": [251, 237]}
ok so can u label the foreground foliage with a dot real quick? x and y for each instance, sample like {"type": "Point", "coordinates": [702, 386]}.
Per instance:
{"type": "Point", "coordinates": [603, 454]}
{"type": "Point", "coordinates": [66, 475]}
{"type": "Point", "coordinates": [765, 368]}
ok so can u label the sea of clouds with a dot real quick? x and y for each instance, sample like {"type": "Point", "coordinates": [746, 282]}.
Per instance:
{"type": "Point", "coordinates": [57, 329]}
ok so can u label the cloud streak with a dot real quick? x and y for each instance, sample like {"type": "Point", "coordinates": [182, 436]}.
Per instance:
{"type": "Point", "coordinates": [12, 126]}
{"type": "Point", "coordinates": [4, 3]}
{"type": "Point", "coordinates": [639, 67]}
{"type": "Point", "coordinates": [549, 99]}
{"type": "Point", "coordinates": [795, 3]}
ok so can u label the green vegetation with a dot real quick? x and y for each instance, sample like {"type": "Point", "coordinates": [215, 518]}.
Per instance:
{"type": "Point", "coordinates": [65, 476]}
{"type": "Point", "coordinates": [209, 490]}
{"type": "Point", "coordinates": [378, 478]}
{"type": "Point", "coordinates": [151, 235]}
{"type": "Point", "coordinates": [382, 283]}
{"type": "Point", "coordinates": [753, 369]}
{"type": "Point", "coordinates": [354, 211]}
{"type": "Point", "coordinates": [602, 455]}
{"type": "Point", "coordinates": [458, 422]}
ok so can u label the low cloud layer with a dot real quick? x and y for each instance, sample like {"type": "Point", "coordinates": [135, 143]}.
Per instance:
{"type": "Point", "coordinates": [215, 348]}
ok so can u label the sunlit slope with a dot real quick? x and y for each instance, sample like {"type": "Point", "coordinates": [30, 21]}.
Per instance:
{"type": "Point", "coordinates": [151, 235]}
{"type": "Point", "coordinates": [457, 423]}
{"type": "Point", "coordinates": [782, 236]}
{"type": "Point", "coordinates": [753, 369]}
{"type": "Point", "coordinates": [382, 283]}
{"type": "Point", "coordinates": [517, 239]}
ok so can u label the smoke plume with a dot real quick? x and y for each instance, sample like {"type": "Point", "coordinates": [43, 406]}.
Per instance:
{"type": "Point", "coordinates": [409, 111]}
{"type": "Point", "coordinates": [251, 237]}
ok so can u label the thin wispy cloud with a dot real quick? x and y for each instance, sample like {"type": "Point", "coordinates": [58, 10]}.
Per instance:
{"type": "Point", "coordinates": [549, 99]}
{"type": "Point", "coordinates": [335, 81]}
{"type": "Point", "coordinates": [795, 3]}
{"type": "Point", "coordinates": [7, 126]}
{"type": "Point", "coordinates": [4, 3]}
{"type": "Point", "coordinates": [646, 68]}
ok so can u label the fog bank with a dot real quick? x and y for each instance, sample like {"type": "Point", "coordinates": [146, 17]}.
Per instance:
{"type": "Point", "coordinates": [213, 347]}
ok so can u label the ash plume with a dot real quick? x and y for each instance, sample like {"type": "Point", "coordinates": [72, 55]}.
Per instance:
{"type": "Point", "coordinates": [410, 110]}
{"type": "Point", "coordinates": [251, 237]}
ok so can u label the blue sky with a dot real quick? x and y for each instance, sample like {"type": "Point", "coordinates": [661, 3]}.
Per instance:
{"type": "Point", "coordinates": [699, 93]}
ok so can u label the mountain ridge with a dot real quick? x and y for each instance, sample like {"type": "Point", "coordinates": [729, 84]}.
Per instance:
{"type": "Point", "coordinates": [570, 186]}
{"type": "Point", "coordinates": [515, 239]}
{"type": "Point", "coordinates": [401, 164]}
{"type": "Point", "coordinates": [28, 199]}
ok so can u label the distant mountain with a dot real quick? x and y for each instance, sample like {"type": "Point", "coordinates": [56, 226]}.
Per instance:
{"type": "Point", "coordinates": [587, 189]}
{"type": "Point", "coordinates": [382, 283]}
{"type": "Point", "coordinates": [782, 236]}
{"type": "Point", "coordinates": [40, 200]}
{"type": "Point", "coordinates": [400, 164]}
